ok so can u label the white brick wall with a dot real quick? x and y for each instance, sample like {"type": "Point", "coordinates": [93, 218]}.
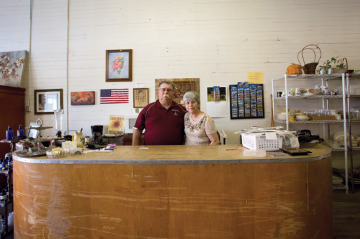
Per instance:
{"type": "Point", "coordinates": [216, 41]}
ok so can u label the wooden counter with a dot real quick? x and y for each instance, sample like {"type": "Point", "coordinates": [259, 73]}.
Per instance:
{"type": "Point", "coordinates": [174, 192]}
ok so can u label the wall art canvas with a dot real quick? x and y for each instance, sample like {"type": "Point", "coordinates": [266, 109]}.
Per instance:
{"type": "Point", "coordinates": [12, 66]}
{"type": "Point", "coordinates": [83, 98]}
{"type": "Point", "coordinates": [182, 85]}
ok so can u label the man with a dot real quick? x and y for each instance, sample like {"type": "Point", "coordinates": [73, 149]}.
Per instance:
{"type": "Point", "coordinates": [162, 120]}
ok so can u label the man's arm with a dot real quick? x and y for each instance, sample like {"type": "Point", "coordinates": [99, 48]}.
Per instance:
{"type": "Point", "coordinates": [136, 137]}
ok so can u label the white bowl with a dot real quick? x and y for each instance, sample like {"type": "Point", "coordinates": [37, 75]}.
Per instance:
{"type": "Point", "coordinates": [281, 116]}
{"type": "Point", "coordinates": [302, 117]}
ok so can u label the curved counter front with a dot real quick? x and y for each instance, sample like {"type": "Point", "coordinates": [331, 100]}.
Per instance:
{"type": "Point", "coordinates": [174, 192]}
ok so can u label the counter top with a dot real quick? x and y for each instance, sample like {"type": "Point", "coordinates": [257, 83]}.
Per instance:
{"type": "Point", "coordinates": [179, 154]}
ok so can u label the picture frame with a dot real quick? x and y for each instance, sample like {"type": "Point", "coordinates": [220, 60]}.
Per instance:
{"type": "Point", "coordinates": [82, 98]}
{"type": "Point", "coordinates": [118, 65]}
{"type": "Point", "coordinates": [182, 85]}
{"type": "Point", "coordinates": [47, 101]}
{"type": "Point", "coordinates": [140, 97]}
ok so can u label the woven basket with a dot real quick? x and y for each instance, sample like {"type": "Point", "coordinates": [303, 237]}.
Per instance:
{"type": "Point", "coordinates": [341, 70]}
{"type": "Point", "coordinates": [309, 68]}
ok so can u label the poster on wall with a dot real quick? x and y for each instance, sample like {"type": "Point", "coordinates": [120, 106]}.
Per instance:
{"type": "Point", "coordinates": [216, 101]}
{"type": "Point", "coordinates": [116, 124]}
{"type": "Point", "coordinates": [83, 98]}
{"type": "Point", "coordinates": [182, 85]}
{"type": "Point", "coordinates": [211, 94]}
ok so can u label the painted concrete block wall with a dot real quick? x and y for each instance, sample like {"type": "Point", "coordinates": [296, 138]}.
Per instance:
{"type": "Point", "coordinates": [216, 41]}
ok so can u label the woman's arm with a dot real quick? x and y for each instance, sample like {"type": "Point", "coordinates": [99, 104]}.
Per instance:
{"type": "Point", "coordinates": [214, 138]}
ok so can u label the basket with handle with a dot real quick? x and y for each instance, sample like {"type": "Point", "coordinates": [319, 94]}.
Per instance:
{"type": "Point", "coordinates": [309, 68]}
{"type": "Point", "coordinates": [341, 70]}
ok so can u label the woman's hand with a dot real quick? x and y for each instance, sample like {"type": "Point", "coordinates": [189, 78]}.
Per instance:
{"type": "Point", "coordinates": [214, 138]}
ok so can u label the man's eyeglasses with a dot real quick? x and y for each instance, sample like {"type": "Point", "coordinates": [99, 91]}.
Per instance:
{"type": "Point", "coordinates": [165, 89]}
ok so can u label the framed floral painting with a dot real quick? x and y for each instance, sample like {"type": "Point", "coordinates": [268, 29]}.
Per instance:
{"type": "Point", "coordinates": [118, 65]}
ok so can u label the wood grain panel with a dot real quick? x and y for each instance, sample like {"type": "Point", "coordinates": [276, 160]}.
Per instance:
{"type": "Point", "coordinates": [273, 200]}
{"type": "Point", "coordinates": [12, 112]}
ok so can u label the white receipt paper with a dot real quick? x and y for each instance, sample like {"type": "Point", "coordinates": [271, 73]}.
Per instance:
{"type": "Point", "coordinates": [270, 136]}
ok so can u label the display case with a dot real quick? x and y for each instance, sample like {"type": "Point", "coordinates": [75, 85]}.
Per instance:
{"type": "Point", "coordinates": [316, 103]}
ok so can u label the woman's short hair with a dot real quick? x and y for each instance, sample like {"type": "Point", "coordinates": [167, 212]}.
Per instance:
{"type": "Point", "coordinates": [191, 95]}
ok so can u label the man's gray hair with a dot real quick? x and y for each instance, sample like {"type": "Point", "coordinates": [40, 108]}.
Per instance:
{"type": "Point", "coordinates": [191, 95]}
{"type": "Point", "coordinates": [167, 82]}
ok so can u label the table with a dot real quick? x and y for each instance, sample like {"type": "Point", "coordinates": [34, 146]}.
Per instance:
{"type": "Point", "coordinates": [174, 192]}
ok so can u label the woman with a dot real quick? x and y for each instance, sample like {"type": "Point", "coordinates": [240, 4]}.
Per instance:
{"type": "Point", "coordinates": [199, 127]}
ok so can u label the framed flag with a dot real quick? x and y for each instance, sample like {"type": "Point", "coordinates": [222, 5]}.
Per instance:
{"type": "Point", "coordinates": [114, 96]}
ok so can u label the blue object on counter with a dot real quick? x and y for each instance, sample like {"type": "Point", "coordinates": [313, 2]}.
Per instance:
{"type": "Point", "coordinates": [9, 134]}
{"type": "Point", "coordinates": [20, 132]}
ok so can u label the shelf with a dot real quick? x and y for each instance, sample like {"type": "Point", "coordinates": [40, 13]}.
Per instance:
{"type": "Point", "coordinates": [339, 187]}
{"type": "Point", "coordinates": [342, 82]}
{"type": "Point", "coordinates": [311, 76]}
{"type": "Point", "coordinates": [310, 121]}
{"type": "Point", "coordinates": [343, 149]}
{"type": "Point", "coordinates": [311, 97]}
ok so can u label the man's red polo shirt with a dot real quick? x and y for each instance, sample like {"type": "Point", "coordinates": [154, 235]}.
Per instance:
{"type": "Point", "coordinates": [162, 126]}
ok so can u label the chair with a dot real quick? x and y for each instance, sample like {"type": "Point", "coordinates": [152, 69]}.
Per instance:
{"type": "Point", "coordinates": [222, 136]}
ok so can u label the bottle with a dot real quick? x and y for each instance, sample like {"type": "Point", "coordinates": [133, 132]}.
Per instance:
{"type": "Point", "coordinates": [9, 134]}
{"type": "Point", "coordinates": [20, 132]}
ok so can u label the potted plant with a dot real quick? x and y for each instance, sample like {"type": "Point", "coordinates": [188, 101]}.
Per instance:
{"type": "Point", "coordinates": [326, 67]}
{"type": "Point", "coordinates": [335, 65]}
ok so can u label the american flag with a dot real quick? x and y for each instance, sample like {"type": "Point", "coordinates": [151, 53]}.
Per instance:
{"type": "Point", "coordinates": [114, 96]}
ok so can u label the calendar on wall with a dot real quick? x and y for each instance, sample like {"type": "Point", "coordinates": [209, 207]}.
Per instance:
{"type": "Point", "coordinates": [246, 101]}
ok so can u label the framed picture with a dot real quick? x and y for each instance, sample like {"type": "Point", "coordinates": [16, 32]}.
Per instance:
{"type": "Point", "coordinates": [182, 85]}
{"type": "Point", "coordinates": [83, 98]}
{"type": "Point", "coordinates": [48, 101]}
{"type": "Point", "coordinates": [118, 65]}
{"type": "Point", "coordinates": [141, 97]}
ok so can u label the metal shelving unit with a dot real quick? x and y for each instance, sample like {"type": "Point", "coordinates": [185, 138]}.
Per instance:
{"type": "Point", "coordinates": [355, 76]}
{"type": "Point", "coordinates": [305, 80]}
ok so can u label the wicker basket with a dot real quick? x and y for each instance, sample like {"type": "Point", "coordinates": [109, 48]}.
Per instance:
{"type": "Point", "coordinates": [309, 68]}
